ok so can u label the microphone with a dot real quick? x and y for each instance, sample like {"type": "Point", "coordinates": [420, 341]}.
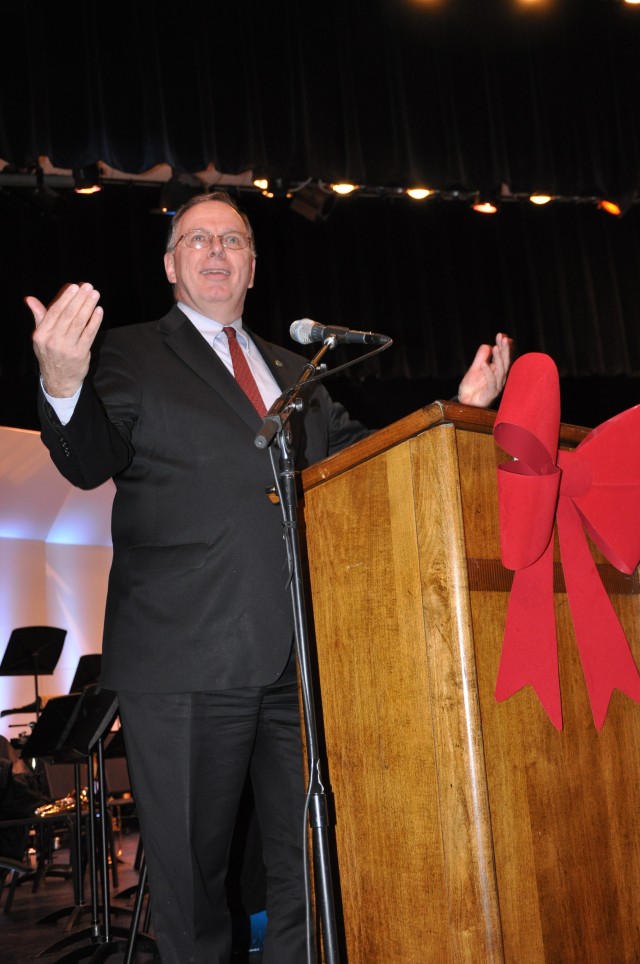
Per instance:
{"type": "Point", "coordinates": [305, 331]}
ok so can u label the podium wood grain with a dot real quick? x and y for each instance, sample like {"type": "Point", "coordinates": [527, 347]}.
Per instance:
{"type": "Point", "coordinates": [466, 830]}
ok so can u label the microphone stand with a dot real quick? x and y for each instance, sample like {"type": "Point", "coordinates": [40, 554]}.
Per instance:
{"type": "Point", "coordinates": [275, 425]}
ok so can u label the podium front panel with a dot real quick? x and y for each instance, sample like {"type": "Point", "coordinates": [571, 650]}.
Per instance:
{"type": "Point", "coordinates": [563, 814]}
{"type": "Point", "coordinates": [466, 829]}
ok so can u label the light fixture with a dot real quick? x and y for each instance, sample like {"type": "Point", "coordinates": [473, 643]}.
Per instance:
{"type": "Point", "coordinates": [342, 187]}
{"type": "Point", "coordinates": [618, 204]}
{"type": "Point", "coordinates": [484, 206]}
{"type": "Point", "coordinates": [272, 187]}
{"type": "Point", "coordinates": [177, 191]}
{"type": "Point", "coordinates": [611, 207]}
{"type": "Point", "coordinates": [46, 201]}
{"type": "Point", "coordinates": [262, 183]}
{"type": "Point", "coordinates": [539, 198]}
{"type": "Point", "coordinates": [418, 193]}
{"type": "Point", "coordinates": [313, 203]}
{"type": "Point", "coordinates": [86, 180]}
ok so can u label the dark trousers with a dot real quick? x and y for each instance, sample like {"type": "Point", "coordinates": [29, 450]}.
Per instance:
{"type": "Point", "coordinates": [189, 755]}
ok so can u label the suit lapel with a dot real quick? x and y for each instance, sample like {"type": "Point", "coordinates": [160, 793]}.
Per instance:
{"type": "Point", "coordinates": [185, 340]}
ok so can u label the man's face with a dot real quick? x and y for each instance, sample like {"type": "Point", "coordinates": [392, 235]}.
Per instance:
{"type": "Point", "coordinates": [214, 280]}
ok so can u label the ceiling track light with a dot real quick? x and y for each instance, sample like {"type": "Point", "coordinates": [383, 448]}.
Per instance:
{"type": "Point", "coordinates": [484, 206]}
{"type": "Point", "coordinates": [313, 203]}
{"type": "Point", "coordinates": [86, 180]}
{"type": "Point", "coordinates": [179, 189]}
{"type": "Point", "coordinates": [46, 200]}
{"type": "Point", "coordinates": [540, 198]}
{"type": "Point", "coordinates": [343, 187]}
{"type": "Point", "coordinates": [618, 204]}
{"type": "Point", "coordinates": [273, 187]}
{"type": "Point", "coordinates": [610, 207]}
{"type": "Point", "coordinates": [175, 188]}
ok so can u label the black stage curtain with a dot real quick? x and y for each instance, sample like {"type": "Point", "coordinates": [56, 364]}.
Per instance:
{"type": "Point", "coordinates": [383, 92]}
{"type": "Point", "coordinates": [435, 276]}
{"type": "Point", "coordinates": [461, 95]}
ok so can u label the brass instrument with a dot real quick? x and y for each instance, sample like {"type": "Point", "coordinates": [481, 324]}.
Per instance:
{"type": "Point", "coordinates": [63, 805]}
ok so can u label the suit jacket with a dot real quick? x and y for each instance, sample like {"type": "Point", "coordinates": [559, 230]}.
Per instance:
{"type": "Point", "coordinates": [198, 595]}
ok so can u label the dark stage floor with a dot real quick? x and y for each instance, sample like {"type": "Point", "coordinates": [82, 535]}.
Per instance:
{"type": "Point", "coordinates": [24, 936]}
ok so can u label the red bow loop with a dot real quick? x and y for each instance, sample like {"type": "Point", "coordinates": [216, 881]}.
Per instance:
{"type": "Point", "coordinates": [595, 489]}
{"type": "Point", "coordinates": [527, 511]}
{"type": "Point", "coordinates": [610, 505]}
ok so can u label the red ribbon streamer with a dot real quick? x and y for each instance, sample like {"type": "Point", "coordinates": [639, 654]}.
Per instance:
{"type": "Point", "coordinates": [593, 489]}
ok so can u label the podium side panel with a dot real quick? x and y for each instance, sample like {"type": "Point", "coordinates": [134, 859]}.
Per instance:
{"type": "Point", "coordinates": [369, 627]}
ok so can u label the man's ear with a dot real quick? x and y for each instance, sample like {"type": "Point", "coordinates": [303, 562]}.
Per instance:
{"type": "Point", "coordinates": [169, 267]}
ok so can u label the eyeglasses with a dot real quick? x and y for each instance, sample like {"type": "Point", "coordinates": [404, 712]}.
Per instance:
{"type": "Point", "coordinates": [198, 239]}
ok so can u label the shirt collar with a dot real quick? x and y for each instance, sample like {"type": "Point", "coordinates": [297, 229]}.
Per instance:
{"type": "Point", "coordinates": [209, 328]}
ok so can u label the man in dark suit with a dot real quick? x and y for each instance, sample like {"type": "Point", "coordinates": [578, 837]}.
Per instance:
{"type": "Point", "coordinates": [198, 639]}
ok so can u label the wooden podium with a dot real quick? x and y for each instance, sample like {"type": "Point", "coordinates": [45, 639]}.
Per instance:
{"type": "Point", "coordinates": [465, 829]}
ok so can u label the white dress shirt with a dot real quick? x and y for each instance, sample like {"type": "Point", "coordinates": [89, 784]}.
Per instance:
{"type": "Point", "coordinates": [212, 331]}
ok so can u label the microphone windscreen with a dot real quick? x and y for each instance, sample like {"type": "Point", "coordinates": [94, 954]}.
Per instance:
{"type": "Point", "coordinates": [301, 331]}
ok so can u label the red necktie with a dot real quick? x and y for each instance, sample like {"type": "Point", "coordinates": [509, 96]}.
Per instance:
{"type": "Point", "coordinates": [242, 372]}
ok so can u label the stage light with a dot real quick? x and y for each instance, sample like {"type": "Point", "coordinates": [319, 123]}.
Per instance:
{"type": "Point", "coordinates": [618, 204]}
{"type": "Point", "coordinates": [272, 187]}
{"type": "Point", "coordinates": [46, 201]}
{"type": "Point", "coordinates": [418, 193]}
{"type": "Point", "coordinates": [313, 203]}
{"type": "Point", "coordinates": [539, 198]}
{"type": "Point", "coordinates": [278, 187]}
{"type": "Point", "coordinates": [610, 207]}
{"type": "Point", "coordinates": [86, 179]}
{"type": "Point", "coordinates": [177, 191]}
{"type": "Point", "coordinates": [343, 188]}
{"type": "Point", "coordinates": [484, 206]}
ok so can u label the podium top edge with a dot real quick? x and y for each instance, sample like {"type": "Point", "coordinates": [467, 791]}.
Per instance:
{"type": "Point", "coordinates": [464, 417]}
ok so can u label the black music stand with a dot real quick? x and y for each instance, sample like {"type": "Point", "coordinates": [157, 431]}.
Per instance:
{"type": "Point", "coordinates": [49, 741]}
{"type": "Point", "coordinates": [33, 651]}
{"type": "Point", "coordinates": [48, 738]}
{"type": "Point", "coordinates": [84, 740]}
{"type": "Point", "coordinates": [46, 741]}
{"type": "Point", "coordinates": [87, 672]}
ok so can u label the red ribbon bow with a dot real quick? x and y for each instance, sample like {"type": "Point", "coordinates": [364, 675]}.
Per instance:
{"type": "Point", "coordinates": [595, 488]}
